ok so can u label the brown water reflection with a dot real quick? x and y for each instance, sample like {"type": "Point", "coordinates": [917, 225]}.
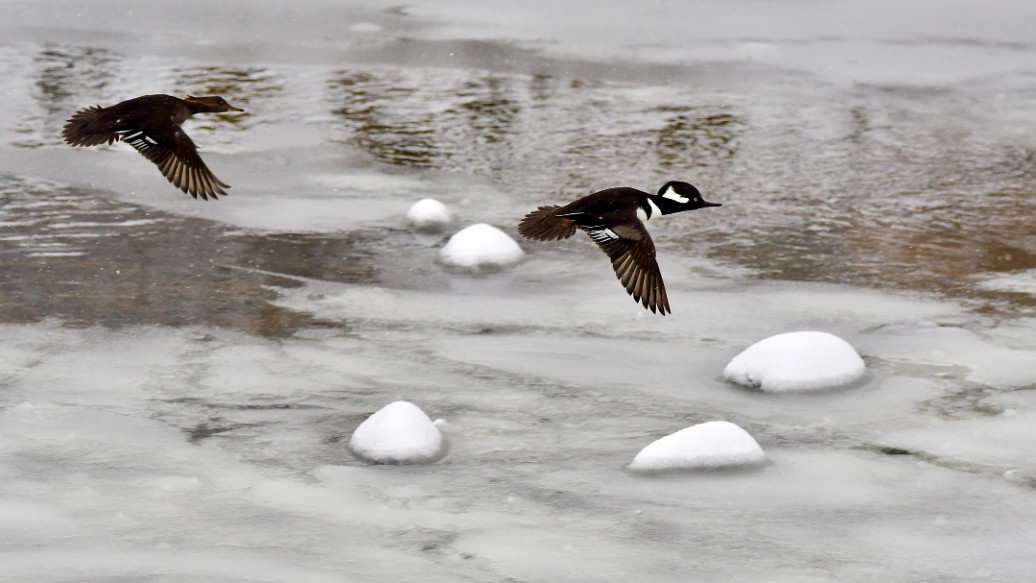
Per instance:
{"type": "Point", "coordinates": [509, 127]}
{"type": "Point", "coordinates": [242, 87]}
{"type": "Point", "coordinates": [711, 136]}
{"type": "Point", "coordinates": [391, 138]}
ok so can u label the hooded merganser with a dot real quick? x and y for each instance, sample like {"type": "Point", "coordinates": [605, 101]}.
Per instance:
{"type": "Point", "coordinates": [151, 124]}
{"type": "Point", "coordinates": [614, 218]}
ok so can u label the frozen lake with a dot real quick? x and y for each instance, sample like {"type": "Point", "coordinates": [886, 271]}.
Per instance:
{"type": "Point", "coordinates": [179, 379]}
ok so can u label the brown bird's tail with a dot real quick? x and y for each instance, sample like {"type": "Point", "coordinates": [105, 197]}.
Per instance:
{"type": "Point", "coordinates": [90, 127]}
{"type": "Point", "coordinates": [543, 224]}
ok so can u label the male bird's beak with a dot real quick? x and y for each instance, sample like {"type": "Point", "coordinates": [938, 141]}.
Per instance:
{"type": "Point", "coordinates": [713, 204]}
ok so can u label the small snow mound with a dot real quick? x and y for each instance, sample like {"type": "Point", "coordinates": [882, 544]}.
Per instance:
{"type": "Point", "coordinates": [708, 446]}
{"type": "Point", "coordinates": [479, 248]}
{"type": "Point", "coordinates": [429, 214]}
{"type": "Point", "coordinates": [398, 433]}
{"type": "Point", "coordinates": [796, 361]}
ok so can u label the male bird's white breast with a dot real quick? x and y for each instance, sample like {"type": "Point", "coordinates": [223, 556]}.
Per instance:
{"type": "Point", "coordinates": [645, 215]}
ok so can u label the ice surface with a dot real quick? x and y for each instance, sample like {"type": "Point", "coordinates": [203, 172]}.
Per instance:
{"type": "Point", "coordinates": [707, 446]}
{"type": "Point", "coordinates": [901, 43]}
{"type": "Point", "coordinates": [429, 214]}
{"type": "Point", "coordinates": [796, 361]}
{"type": "Point", "coordinates": [480, 248]}
{"type": "Point", "coordinates": [179, 380]}
{"type": "Point", "coordinates": [248, 431]}
{"type": "Point", "coordinates": [398, 433]}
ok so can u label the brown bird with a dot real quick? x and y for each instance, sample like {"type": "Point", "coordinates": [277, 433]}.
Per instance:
{"type": "Point", "coordinates": [151, 124]}
{"type": "Point", "coordinates": [614, 218]}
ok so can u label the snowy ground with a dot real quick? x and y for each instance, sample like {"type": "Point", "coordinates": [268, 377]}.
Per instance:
{"type": "Point", "coordinates": [179, 380]}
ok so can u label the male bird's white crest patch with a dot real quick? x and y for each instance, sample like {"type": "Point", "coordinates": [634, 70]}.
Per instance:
{"type": "Point", "coordinates": [673, 195]}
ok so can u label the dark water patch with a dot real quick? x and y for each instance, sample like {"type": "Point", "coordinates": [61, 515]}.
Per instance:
{"type": "Point", "coordinates": [69, 254]}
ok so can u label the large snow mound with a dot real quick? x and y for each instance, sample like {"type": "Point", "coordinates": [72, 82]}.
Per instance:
{"type": "Point", "coordinates": [480, 247]}
{"type": "Point", "coordinates": [707, 446]}
{"type": "Point", "coordinates": [398, 433]}
{"type": "Point", "coordinates": [429, 214]}
{"type": "Point", "coordinates": [796, 361]}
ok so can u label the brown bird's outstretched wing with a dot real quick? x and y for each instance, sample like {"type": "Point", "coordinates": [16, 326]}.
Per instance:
{"type": "Point", "coordinates": [543, 224]}
{"type": "Point", "coordinates": [632, 252]}
{"type": "Point", "coordinates": [177, 158]}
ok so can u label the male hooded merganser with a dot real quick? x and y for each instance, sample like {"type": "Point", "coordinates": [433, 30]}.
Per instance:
{"type": "Point", "coordinates": [614, 218]}
{"type": "Point", "coordinates": [151, 124]}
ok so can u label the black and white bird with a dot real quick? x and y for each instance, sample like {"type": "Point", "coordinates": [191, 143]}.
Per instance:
{"type": "Point", "coordinates": [614, 218]}
{"type": "Point", "coordinates": [151, 124]}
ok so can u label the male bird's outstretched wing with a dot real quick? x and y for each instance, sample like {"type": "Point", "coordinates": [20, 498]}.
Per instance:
{"type": "Point", "coordinates": [632, 252]}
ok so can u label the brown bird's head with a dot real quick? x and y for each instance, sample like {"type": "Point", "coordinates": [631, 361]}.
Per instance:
{"type": "Point", "coordinates": [210, 104]}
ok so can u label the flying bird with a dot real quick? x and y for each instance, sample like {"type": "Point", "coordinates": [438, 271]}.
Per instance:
{"type": "Point", "coordinates": [151, 124]}
{"type": "Point", "coordinates": [614, 218]}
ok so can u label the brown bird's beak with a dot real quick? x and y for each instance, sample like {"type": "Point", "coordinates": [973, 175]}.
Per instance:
{"type": "Point", "coordinates": [232, 108]}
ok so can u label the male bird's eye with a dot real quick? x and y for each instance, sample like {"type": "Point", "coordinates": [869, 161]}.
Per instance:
{"type": "Point", "coordinates": [695, 200]}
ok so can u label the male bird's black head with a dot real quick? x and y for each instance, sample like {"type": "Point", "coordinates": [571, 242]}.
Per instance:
{"type": "Point", "coordinates": [675, 196]}
{"type": "Point", "coordinates": [685, 194]}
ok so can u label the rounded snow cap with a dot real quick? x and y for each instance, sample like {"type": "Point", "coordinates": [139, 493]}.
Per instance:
{"type": "Point", "coordinates": [480, 248]}
{"type": "Point", "coordinates": [398, 433]}
{"type": "Point", "coordinates": [796, 361]}
{"type": "Point", "coordinates": [707, 446]}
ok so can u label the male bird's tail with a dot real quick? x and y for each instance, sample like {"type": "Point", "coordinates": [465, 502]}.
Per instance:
{"type": "Point", "coordinates": [543, 224]}
{"type": "Point", "coordinates": [90, 127]}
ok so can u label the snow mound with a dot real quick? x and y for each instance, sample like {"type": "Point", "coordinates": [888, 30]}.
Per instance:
{"type": "Point", "coordinates": [398, 433]}
{"type": "Point", "coordinates": [479, 248]}
{"type": "Point", "coordinates": [707, 446]}
{"type": "Point", "coordinates": [429, 214]}
{"type": "Point", "coordinates": [796, 361]}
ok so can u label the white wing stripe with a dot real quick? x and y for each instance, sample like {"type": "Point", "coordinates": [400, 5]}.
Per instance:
{"type": "Point", "coordinates": [604, 235]}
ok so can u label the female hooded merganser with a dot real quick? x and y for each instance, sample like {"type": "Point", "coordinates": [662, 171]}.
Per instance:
{"type": "Point", "coordinates": [614, 218]}
{"type": "Point", "coordinates": [151, 124]}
